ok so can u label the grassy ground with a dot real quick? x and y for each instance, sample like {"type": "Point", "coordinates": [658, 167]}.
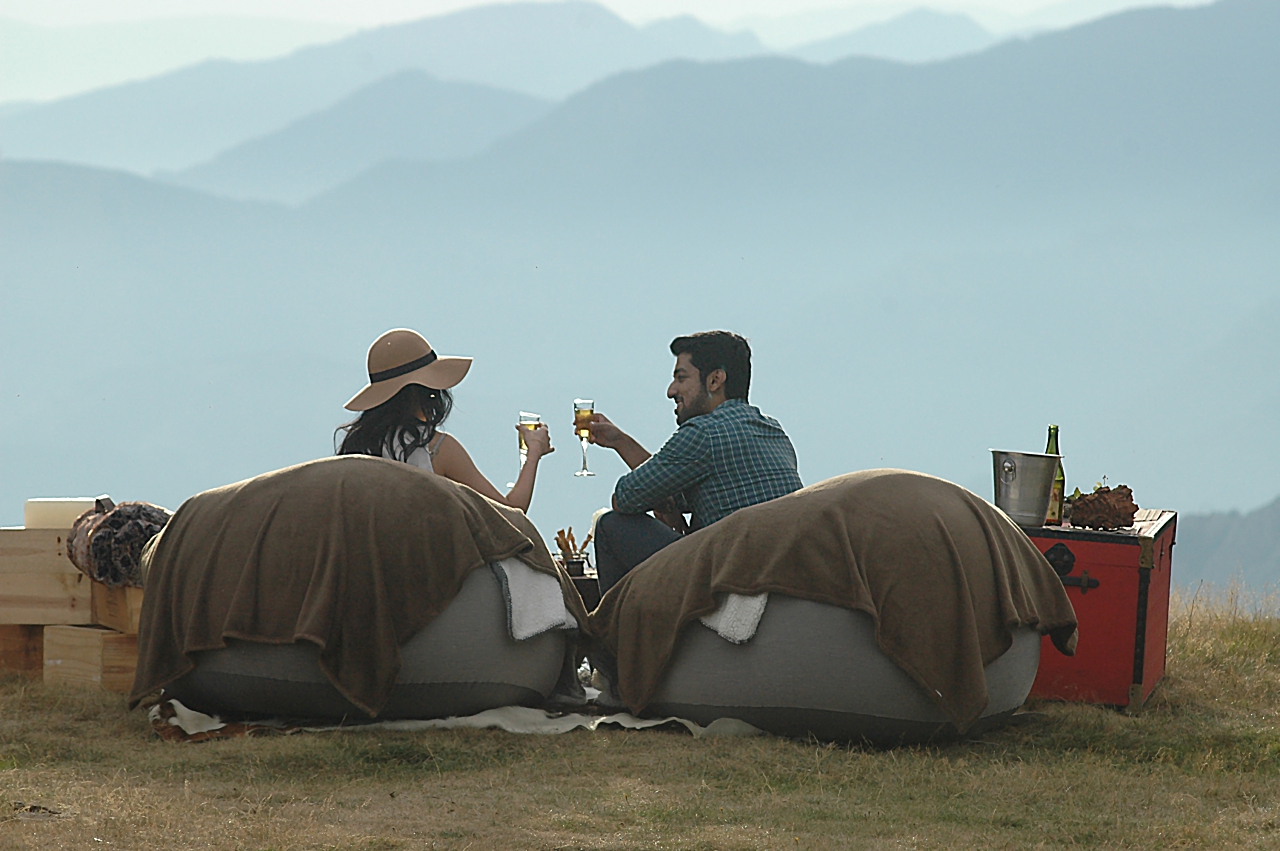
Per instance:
{"type": "Point", "coordinates": [1200, 768]}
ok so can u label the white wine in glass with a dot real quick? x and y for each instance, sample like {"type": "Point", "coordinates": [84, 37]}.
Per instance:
{"type": "Point", "coordinates": [583, 411]}
{"type": "Point", "coordinates": [531, 422]}
{"type": "Point", "coordinates": [525, 421]}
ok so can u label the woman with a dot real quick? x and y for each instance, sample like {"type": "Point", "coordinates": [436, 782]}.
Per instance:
{"type": "Point", "coordinates": [404, 405]}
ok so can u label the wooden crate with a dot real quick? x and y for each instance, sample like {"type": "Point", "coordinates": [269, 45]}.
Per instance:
{"type": "Point", "coordinates": [117, 608]}
{"type": "Point", "coordinates": [90, 656]}
{"type": "Point", "coordinates": [22, 649]}
{"type": "Point", "coordinates": [38, 583]}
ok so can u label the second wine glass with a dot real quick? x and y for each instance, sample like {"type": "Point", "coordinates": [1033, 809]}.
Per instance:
{"type": "Point", "coordinates": [583, 411]}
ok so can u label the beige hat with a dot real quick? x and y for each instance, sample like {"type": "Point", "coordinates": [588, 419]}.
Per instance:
{"type": "Point", "coordinates": [401, 357]}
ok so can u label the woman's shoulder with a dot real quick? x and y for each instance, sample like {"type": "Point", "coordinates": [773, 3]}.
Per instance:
{"type": "Point", "coordinates": [450, 457]}
{"type": "Point", "coordinates": [440, 439]}
{"type": "Point", "coordinates": [445, 447]}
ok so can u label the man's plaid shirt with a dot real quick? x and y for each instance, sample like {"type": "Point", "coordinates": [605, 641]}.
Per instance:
{"type": "Point", "coordinates": [713, 465]}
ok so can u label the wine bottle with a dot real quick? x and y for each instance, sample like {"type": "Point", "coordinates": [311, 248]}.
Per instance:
{"type": "Point", "coordinates": [1054, 515]}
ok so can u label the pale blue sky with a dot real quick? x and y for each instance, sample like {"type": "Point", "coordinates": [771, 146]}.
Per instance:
{"type": "Point", "coordinates": [371, 12]}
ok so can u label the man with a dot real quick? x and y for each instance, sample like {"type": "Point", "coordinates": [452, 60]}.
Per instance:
{"type": "Point", "coordinates": [725, 455]}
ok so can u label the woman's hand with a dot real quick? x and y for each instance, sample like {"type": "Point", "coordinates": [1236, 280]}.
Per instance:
{"type": "Point", "coordinates": [537, 441]}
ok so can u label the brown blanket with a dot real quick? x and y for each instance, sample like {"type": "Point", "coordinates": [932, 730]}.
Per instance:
{"type": "Point", "coordinates": [353, 553]}
{"type": "Point", "coordinates": [944, 574]}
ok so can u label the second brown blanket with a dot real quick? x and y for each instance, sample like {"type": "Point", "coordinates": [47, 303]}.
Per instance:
{"type": "Point", "coordinates": [944, 574]}
{"type": "Point", "coordinates": [355, 554]}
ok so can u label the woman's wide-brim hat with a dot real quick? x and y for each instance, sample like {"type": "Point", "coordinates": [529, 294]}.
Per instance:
{"type": "Point", "coordinates": [401, 357]}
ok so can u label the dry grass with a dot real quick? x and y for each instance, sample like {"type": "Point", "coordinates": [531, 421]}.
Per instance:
{"type": "Point", "coordinates": [1199, 768]}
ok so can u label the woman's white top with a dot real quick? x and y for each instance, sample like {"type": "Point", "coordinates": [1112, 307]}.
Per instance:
{"type": "Point", "coordinates": [535, 602]}
{"type": "Point", "coordinates": [420, 457]}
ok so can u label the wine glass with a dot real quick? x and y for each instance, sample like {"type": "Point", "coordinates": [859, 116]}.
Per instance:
{"type": "Point", "coordinates": [583, 411]}
{"type": "Point", "coordinates": [531, 422]}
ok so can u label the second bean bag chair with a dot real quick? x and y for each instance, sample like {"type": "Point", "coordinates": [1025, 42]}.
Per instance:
{"type": "Point", "coordinates": [814, 669]}
{"type": "Point", "coordinates": [901, 607]}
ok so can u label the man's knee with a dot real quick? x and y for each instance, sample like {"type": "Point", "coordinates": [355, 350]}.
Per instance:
{"type": "Point", "coordinates": [607, 522]}
{"type": "Point", "coordinates": [607, 529]}
{"type": "Point", "coordinates": [614, 525]}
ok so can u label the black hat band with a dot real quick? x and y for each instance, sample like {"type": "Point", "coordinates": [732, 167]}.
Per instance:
{"type": "Point", "coordinates": [404, 369]}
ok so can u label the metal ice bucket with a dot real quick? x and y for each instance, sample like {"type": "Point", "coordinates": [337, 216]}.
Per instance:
{"type": "Point", "coordinates": [1024, 484]}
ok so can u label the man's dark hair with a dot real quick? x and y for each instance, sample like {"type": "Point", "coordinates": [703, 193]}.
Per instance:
{"type": "Point", "coordinates": [712, 350]}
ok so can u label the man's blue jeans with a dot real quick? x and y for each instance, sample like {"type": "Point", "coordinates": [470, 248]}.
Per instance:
{"type": "Point", "coordinates": [625, 540]}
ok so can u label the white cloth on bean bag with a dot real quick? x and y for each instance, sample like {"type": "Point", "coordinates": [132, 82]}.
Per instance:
{"type": "Point", "coordinates": [737, 618]}
{"type": "Point", "coordinates": [535, 603]}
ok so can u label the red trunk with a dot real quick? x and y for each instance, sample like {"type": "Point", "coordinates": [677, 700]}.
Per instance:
{"type": "Point", "coordinates": [1119, 584]}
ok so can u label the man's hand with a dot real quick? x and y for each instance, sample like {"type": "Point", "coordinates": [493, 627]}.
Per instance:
{"type": "Point", "coordinates": [667, 513]}
{"type": "Point", "coordinates": [605, 433]}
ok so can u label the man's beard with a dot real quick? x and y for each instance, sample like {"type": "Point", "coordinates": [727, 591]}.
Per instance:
{"type": "Point", "coordinates": [700, 405]}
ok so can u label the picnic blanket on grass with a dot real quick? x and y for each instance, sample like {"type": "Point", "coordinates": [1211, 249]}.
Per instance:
{"type": "Point", "coordinates": [944, 573]}
{"type": "Point", "coordinates": [355, 554]}
{"type": "Point", "coordinates": [173, 722]}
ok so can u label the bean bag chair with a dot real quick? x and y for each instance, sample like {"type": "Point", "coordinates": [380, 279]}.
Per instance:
{"type": "Point", "coordinates": [901, 607]}
{"type": "Point", "coordinates": [351, 588]}
{"type": "Point", "coordinates": [814, 669]}
{"type": "Point", "coordinates": [463, 662]}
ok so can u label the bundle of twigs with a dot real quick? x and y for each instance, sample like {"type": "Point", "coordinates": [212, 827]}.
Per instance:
{"type": "Point", "coordinates": [569, 548]}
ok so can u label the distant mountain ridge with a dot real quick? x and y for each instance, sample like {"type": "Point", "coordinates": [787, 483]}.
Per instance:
{"type": "Point", "coordinates": [1221, 547]}
{"type": "Point", "coordinates": [408, 115]}
{"type": "Point", "coordinates": [687, 36]}
{"type": "Point", "coordinates": [189, 116]}
{"type": "Point", "coordinates": [548, 50]}
{"type": "Point", "coordinates": [397, 118]}
{"type": "Point", "coordinates": [1024, 126]}
{"type": "Point", "coordinates": [787, 32]}
{"type": "Point", "coordinates": [922, 35]}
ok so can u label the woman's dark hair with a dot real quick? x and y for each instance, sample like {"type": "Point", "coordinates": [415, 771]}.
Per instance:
{"type": "Point", "coordinates": [712, 350]}
{"type": "Point", "coordinates": [395, 423]}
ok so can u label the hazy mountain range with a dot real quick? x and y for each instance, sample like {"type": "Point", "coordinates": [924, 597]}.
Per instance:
{"type": "Point", "coordinates": [408, 115]}
{"type": "Point", "coordinates": [790, 31]}
{"type": "Point", "coordinates": [189, 116]}
{"type": "Point", "coordinates": [43, 58]}
{"type": "Point", "coordinates": [921, 35]}
{"type": "Point", "coordinates": [190, 120]}
{"type": "Point", "coordinates": [1225, 546]}
{"type": "Point", "coordinates": [930, 260]}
